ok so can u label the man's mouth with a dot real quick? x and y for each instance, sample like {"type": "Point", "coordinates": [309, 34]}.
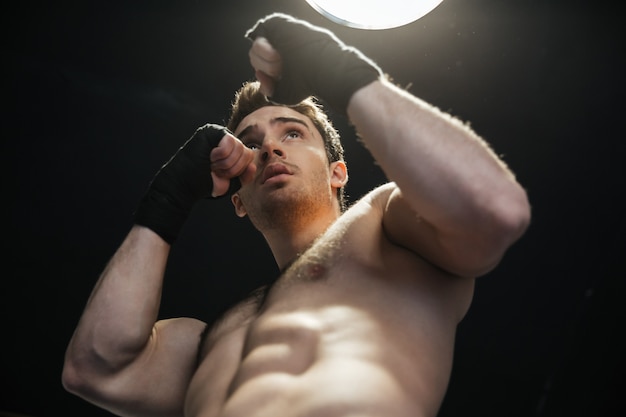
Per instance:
{"type": "Point", "coordinates": [274, 170]}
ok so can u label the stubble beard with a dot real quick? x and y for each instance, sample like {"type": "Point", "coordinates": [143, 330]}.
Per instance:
{"type": "Point", "coordinates": [289, 207]}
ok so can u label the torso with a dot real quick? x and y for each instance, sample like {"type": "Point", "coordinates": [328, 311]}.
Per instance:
{"type": "Point", "coordinates": [356, 326]}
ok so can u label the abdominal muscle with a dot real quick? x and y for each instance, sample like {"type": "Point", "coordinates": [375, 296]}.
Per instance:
{"type": "Point", "coordinates": [316, 364]}
{"type": "Point", "coordinates": [329, 388]}
{"type": "Point", "coordinates": [326, 360]}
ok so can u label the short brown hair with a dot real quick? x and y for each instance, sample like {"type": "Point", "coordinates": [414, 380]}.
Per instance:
{"type": "Point", "coordinates": [249, 98]}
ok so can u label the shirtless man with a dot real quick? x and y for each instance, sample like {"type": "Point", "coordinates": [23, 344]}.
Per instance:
{"type": "Point", "coordinates": [362, 320]}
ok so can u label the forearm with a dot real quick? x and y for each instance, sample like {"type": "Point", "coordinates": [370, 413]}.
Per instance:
{"type": "Point", "coordinates": [446, 172]}
{"type": "Point", "coordinates": [120, 314]}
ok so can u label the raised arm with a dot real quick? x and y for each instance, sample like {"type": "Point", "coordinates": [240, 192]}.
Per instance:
{"type": "Point", "coordinates": [120, 357]}
{"type": "Point", "coordinates": [457, 204]}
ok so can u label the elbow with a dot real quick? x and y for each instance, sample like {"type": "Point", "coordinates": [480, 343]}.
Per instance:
{"type": "Point", "coordinates": [72, 378]}
{"type": "Point", "coordinates": [514, 214]}
{"type": "Point", "coordinates": [509, 219]}
{"type": "Point", "coordinates": [83, 381]}
{"type": "Point", "coordinates": [81, 374]}
{"type": "Point", "coordinates": [79, 381]}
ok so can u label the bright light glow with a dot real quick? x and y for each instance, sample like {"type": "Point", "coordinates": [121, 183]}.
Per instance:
{"type": "Point", "coordinates": [374, 14]}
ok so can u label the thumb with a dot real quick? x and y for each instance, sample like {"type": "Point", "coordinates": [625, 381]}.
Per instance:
{"type": "Point", "coordinates": [267, 83]}
{"type": "Point", "coordinates": [220, 185]}
{"type": "Point", "coordinates": [248, 174]}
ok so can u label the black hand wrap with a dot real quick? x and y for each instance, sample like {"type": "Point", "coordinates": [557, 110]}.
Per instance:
{"type": "Point", "coordinates": [180, 183]}
{"type": "Point", "coordinates": [315, 62]}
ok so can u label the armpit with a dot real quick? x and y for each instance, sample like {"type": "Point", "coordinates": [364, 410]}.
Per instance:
{"type": "Point", "coordinates": [231, 319]}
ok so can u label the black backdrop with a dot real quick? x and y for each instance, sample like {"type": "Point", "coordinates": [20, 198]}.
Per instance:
{"type": "Point", "coordinates": [100, 93]}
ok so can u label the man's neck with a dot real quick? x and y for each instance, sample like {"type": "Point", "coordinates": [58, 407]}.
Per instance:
{"type": "Point", "coordinates": [289, 242]}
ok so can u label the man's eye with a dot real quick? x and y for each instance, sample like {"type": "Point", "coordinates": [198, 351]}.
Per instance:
{"type": "Point", "coordinates": [294, 134]}
{"type": "Point", "coordinates": [253, 146]}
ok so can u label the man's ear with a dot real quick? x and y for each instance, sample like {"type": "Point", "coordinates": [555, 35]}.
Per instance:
{"type": "Point", "coordinates": [338, 174]}
{"type": "Point", "coordinates": [240, 210]}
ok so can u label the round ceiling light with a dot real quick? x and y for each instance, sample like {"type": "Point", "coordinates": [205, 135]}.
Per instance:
{"type": "Point", "coordinates": [373, 14]}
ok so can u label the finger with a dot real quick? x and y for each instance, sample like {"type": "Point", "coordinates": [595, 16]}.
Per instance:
{"type": "Point", "coordinates": [220, 185]}
{"type": "Point", "coordinates": [274, 70]}
{"type": "Point", "coordinates": [236, 164]}
{"type": "Point", "coordinates": [248, 175]}
{"type": "Point", "coordinates": [224, 165]}
{"type": "Point", "coordinates": [265, 58]}
{"type": "Point", "coordinates": [267, 83]}
{"type": "Point", "coordinates": [264, 50]}
{"type": "Point", "coordinates": [223, 149]}
{"type": "Point", "coordinates": [244, 168]}
{"type": "Point", "coordinates": [244, 162]}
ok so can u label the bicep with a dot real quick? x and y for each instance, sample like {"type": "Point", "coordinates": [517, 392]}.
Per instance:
{"type": "Point", "coordinates": [155, 384]}
{"type": "Point", "coordinates": [451, 251]}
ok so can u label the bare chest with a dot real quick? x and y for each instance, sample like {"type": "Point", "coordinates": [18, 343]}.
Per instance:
{"type": "Point", "coordinates": [355, 241]}
{"type": "Point", "coordinates": [344, 303]}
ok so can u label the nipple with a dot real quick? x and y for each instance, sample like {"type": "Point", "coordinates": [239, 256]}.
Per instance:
{"type": "Point", "coordinates": [316, 271]}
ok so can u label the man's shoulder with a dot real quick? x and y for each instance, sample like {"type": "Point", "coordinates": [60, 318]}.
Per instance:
{"type": "Point", "coordinates": [361, 225]}
{"type": "Point", "coordinates": [376, 197]}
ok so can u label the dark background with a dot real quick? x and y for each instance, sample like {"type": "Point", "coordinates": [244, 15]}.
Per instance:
{"type": "Point", "coordinates": [101, 93]}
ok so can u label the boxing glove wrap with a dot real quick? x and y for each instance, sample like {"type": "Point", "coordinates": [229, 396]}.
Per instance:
{"type": "Point", "coordinates": [314, 62]}
{"type": "Point", "coordinates": [180, 183]}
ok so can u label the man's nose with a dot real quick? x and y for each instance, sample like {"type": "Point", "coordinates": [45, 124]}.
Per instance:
{"type": "Point", "coordinates": [270, 148]}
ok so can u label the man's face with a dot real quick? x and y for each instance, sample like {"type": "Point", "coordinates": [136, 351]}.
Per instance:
{"type": "Point", "coordinates": [291, 163]}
